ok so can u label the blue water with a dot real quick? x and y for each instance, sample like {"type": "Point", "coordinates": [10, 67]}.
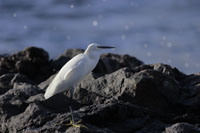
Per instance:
{"type": "Point", "coordinates": [166, 31]}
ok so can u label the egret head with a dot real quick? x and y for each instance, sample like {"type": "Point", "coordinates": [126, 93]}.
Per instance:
{"type": "Point", "coordinates": [95, 49]}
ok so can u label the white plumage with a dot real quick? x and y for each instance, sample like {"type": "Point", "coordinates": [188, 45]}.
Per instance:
{"type": "Point", "coordinates": [75, 70]}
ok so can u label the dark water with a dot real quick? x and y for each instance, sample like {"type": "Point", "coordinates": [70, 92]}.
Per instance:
{"type": "Point", "coordinates": [166, 31]}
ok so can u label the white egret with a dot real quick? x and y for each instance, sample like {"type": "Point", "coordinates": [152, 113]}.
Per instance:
{"type": "Point", "coordinates": [74, 71]}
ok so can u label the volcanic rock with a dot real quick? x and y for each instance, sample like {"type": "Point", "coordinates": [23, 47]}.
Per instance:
{"type": "Point", "coordinates": [109, 63]}
{"type": "Point", "coordinates": [182, 128]}
{"type": "Point", "coordinates": [121, 95]}
{"type": "Point", "coordinates": [32, 62]}
{"type": "Point", "coordinates": [148, 87]}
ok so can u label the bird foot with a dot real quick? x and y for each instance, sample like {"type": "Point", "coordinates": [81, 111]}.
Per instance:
{"type": "Point", "coordinates": [76, 124]}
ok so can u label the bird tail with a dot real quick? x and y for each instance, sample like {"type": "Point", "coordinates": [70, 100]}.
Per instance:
{"type": "Point", "coordinates": [47, 95]}
{"type": "Point", "coordinates": [50, 91]}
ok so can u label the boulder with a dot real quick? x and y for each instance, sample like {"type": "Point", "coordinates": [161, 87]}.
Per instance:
{"type": "Point", "coordinates": [14, 100]}
{"type": "Point", "coordinates": [7, 81]}
{"type": "Point", "coordinates": [43, 85]}
{"type": "Point", "coordinates": [148, 87]}
{"type": "Point", "coordinates": [119, 116]}
{"type": "Point", "coordinates": [32, 62]}
{"type": "Point", "coordinates": [109, 63]}
{"type": "Point", "coordinates": [192, 83]}
{"type": "Point", "coordinates": [121, 95]}
{"type": "Point", "coordinates": [168, 70]}
{"type": "Point", "coordinates": [182, 128]}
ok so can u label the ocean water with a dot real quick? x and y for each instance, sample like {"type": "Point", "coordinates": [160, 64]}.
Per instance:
{"type": "Point", "coordinates": [166, 31]}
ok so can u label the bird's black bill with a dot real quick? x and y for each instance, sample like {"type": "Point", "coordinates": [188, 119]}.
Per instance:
{"type": "Point", "coordinates": [104, 47]}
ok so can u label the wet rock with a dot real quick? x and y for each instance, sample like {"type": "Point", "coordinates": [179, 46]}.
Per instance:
{"type": "Point", "coordinates": [182, 128]}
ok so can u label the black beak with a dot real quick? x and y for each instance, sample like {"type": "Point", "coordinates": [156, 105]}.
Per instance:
{"type": "Point", "coordinates": [104, 47]}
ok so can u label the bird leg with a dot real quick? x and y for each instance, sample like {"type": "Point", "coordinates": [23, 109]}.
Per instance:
{"type": "Point", "coordinates": [72, 115]}
{"type": "Point", "coordinates": [72, 122]}
{"type": "Point", "coordinates": [71, 111]}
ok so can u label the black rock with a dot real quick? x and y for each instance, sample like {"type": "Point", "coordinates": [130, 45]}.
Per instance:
{"type": "Point", "coordinates": [148, 87]}
{"type": "Point", "coordinates": [121, 95]}
{"type": "Point", "coordinates": [182, 128]}
{"type": "Point", "coordinates": [7, 81]}
{"type": "Point", "coordinates": [109, 63]}
{"type": "Point", "coordinates": [15, 98]}
{"type": "Point", "coordinates": [120, 117]}
{"type": "Point", "coordinates": [32, 62]}
{"type": "Point", "coordinates": [45, 84]}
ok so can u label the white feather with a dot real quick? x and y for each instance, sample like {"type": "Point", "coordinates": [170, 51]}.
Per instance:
{"type": "Point", "coordinates": [74, 71]}
{"type": "Point", "coordinates": [64, 79]}
{"type": "Point", "coordinates": [69, 75]}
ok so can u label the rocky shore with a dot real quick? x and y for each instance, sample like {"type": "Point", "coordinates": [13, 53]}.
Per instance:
{"type": "Point", "coordinates": [122, 94]}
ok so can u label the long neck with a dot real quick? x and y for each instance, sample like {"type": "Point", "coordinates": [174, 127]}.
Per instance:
{"type": "Point", "coordinates": [94, 55]}
{"type": "Point", "coordinates": [93, 59]}
{"type": "Point", "coordinates": [87, 51]}
{"type": "Point", "coordinates": [91, 53]}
